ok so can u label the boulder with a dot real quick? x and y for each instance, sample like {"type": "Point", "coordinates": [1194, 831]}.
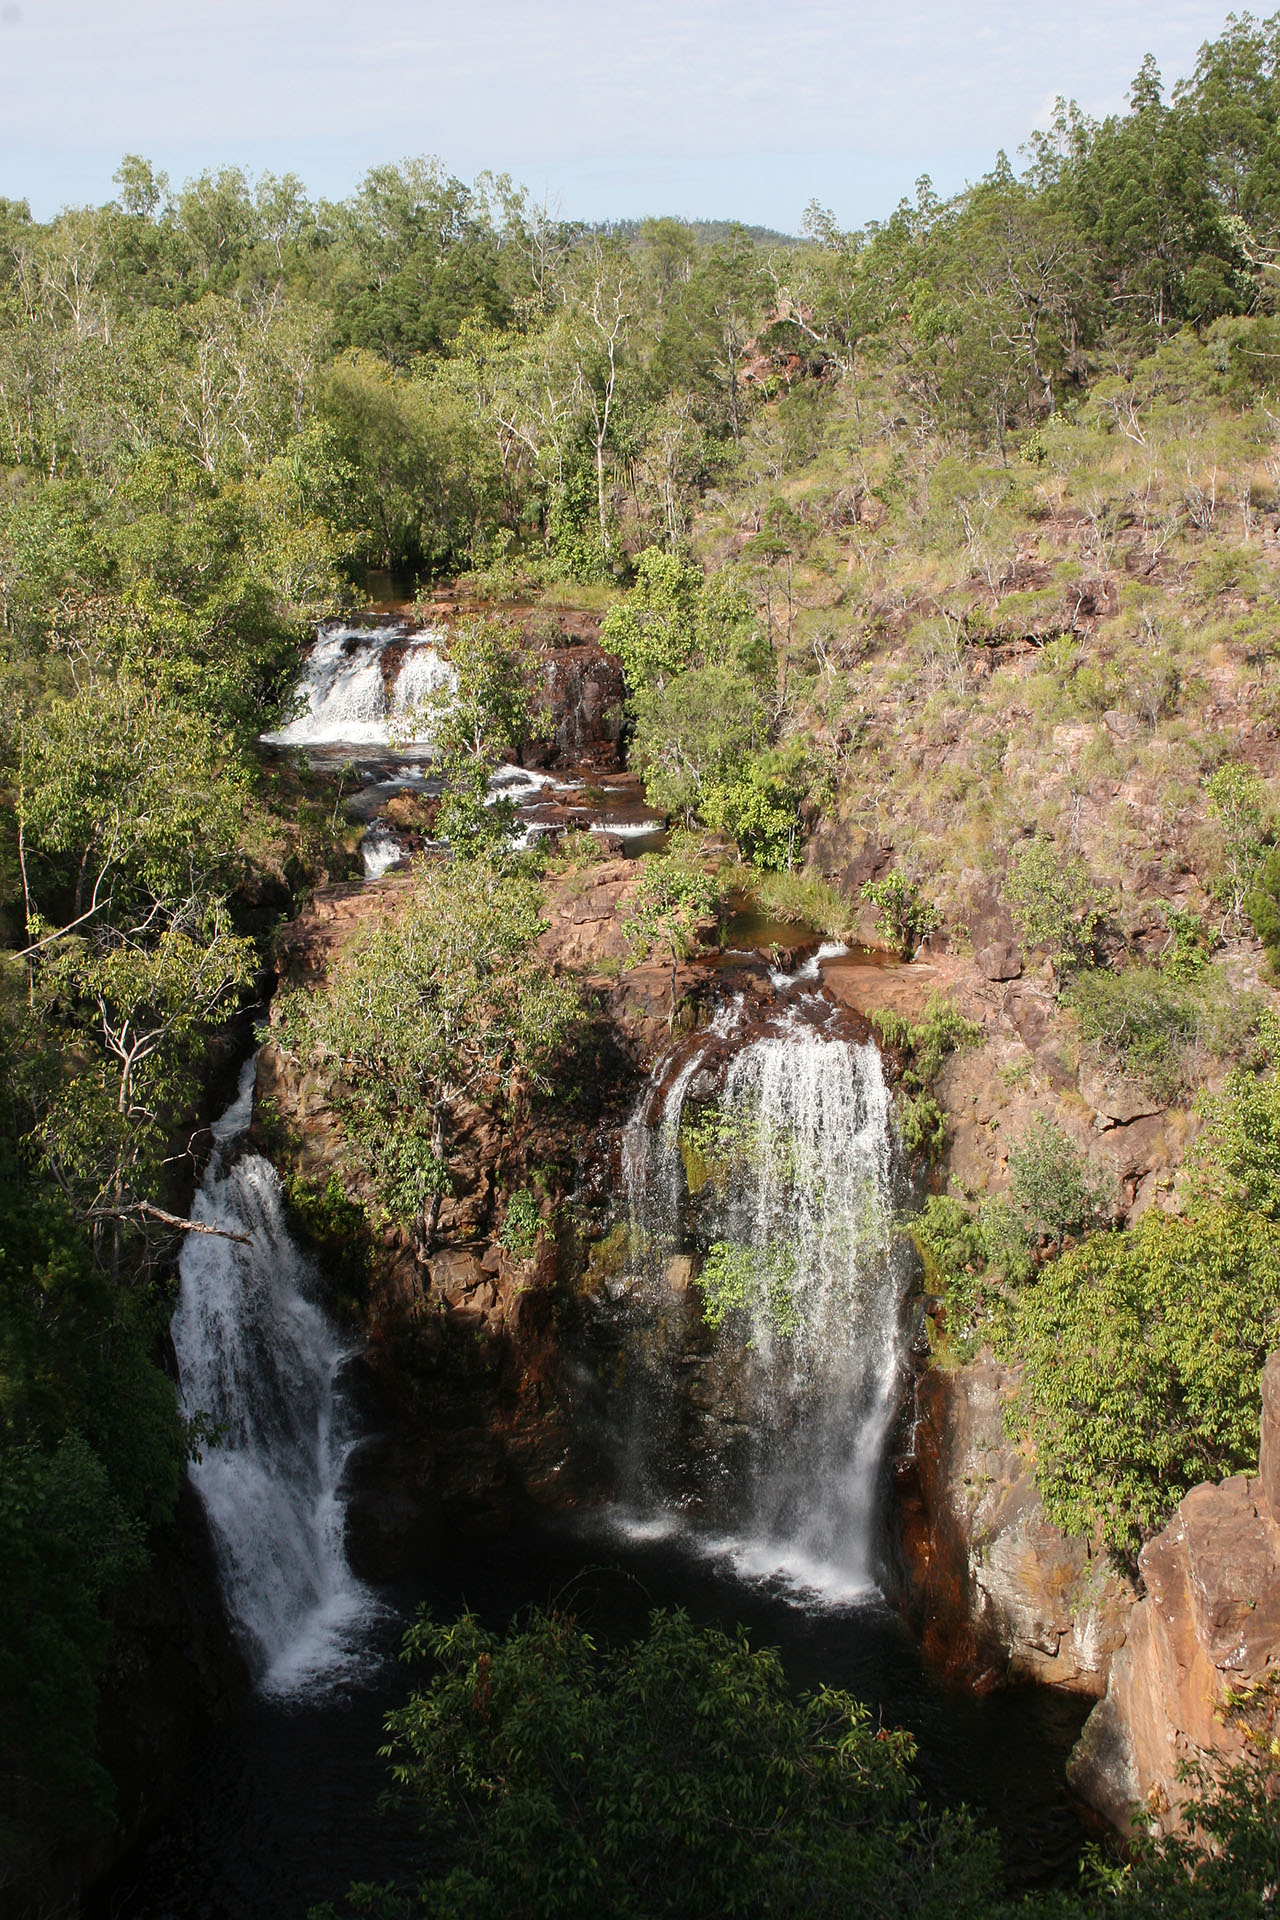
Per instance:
{"type": "Point", "coordinates": [1002, 960]}
{"type": "Point", "coordinates": [1116, 1105]}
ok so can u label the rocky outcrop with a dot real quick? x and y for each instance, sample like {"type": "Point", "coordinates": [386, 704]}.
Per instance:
{"type": "Point", "coordinates": [582, 694]}
{"type": "Point", "coordinates": [997, 1593]}
{"type": "Point", "coordinates": [1198, 1676]}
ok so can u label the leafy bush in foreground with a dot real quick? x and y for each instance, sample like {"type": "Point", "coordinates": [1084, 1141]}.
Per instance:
{"type": "Point", "coordinates": [671, 1775]}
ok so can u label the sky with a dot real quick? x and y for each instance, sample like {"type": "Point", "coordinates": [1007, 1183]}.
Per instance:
{"type": "Point", "coordinates": [743, 109]}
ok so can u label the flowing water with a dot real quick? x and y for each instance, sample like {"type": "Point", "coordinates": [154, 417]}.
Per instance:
{"type": "Point", "coordinates": [767, 1182]}
{"type": "Point", "coordinates": [262, 1363]}
{"type": "Point", "coordinates": [775, 1143]}
{"type": "Point", "coordinates": [365, 687]}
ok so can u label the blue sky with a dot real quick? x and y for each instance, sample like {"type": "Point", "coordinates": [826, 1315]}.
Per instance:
{"type": "Point", "coordinates": [709, 107]}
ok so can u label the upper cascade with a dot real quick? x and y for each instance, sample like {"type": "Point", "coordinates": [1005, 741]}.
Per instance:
{"type": "Point", "coordinates": [365, 686]}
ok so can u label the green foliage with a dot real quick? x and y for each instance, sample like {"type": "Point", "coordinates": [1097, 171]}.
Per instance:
{"type": "Point", "coordinates": [1053, 902]}
{"type": "Point", "coordinates": [759, 806]}
{"type": "Point", "coordinates": [336, 1226]}
{"type": "Point", "coordinates": [674, 899]}
{"type": "Point", "coordinates": [924, 1046]}
{"type": "Point", "coordinates": [675, 1774]}
{"type": "Point", "coordinates": [1240, 804]}
{"type": "Point", "coordinates": [905, 916]}
{"type": "Point", "coordinates": [1052, 1197]}
{"type": "Point", "coordinates": [693, 732]}
{"type": "Point", "coordinates": [803, 897]}
{"type": "Point", "coordinates": [1142, 1353]}
{"type": "Point", "coordinates": [922, 1126]}
{"type": "Point", "coordinates": [91, 1449]}
{"type": "Point", "coordinates": [949, 1238]}
{"type": "Point", "coordinates": [488, 711]}
{"type": "Point", "coordinates": [715, 1145]}
{"type": "Point", "coordinates": [433, 1009]}
{"type": "Point", "coordinates": [1262, 905]}
{"type": "Point", "coordinates": [1235, 1161]}
{"type": "Point", "coordinates": [521, 1224]}
{"type": "Point", "coordinates": [1158, 1025]}
{"type": "Point", "coordinates": [757, 1282]}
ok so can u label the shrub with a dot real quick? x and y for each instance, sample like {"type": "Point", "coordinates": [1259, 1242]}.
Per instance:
{"type": "Point", "coordinates": [905, 916]}
{"type": "Point", "coordinates": [1142, 1353]}
{"type": "Point", "coordinates": [1050, 1198]}
{"type": "Point", "coordinates": [1148, 1023]}
{"type": "Point", "coordinates": [521, 1224]}
{"type": "Point", "coordinates": [949, 1238]}
{"type": "Point", "coordinates": [1053, 902]}
{"type": "Point", "coordinates": [1262, 904]}
{"type": "Point", "coordinates": [925, 1046]}
{"type": "Point", "coordinates": [756, 1281]}
{"type": "Point", "coordinates": [674, 1774]}
{"type": "Point", "coordinates": [1236, 1160]}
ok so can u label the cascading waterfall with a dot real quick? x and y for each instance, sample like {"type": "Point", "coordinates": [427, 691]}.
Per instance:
{"type": "Point", "coordinates": [351, 696]}
{"type": "Point", "coordinates": [262, 1362]}
{"type": "Point", "coordinates": [772, 1182]}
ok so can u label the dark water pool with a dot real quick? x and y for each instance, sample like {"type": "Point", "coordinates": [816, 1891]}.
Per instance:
{"type": "Point", "coordinates": [278, 1811]}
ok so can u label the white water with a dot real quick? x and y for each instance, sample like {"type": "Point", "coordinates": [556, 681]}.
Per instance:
{"type": "Point", "coordinates": [805, 1409]}
{"type": "Point", "coordinates": [381, 848]}
{"type": "Point", "coordinates": [261, 1359]}
{"type": "Point", "coordinates": [346, 698]}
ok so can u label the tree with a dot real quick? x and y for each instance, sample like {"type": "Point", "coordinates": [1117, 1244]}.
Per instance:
{"type": "Point", "coordinates": [674, 899]}
{"type": "Point", "coordinates": [441, 1007]}
{"type": "Point", "coordinates": [694, 734]}
{"type": "Point", "coordinates": [905, 916]}
{"type": "Point", "coordinates": [1241, 805]}
{"type": "Point", "coordinates": [487, 709]}
{"type": "Point", "coordinates": [1142, 1353]}
{"type": "Point", "coordinates": [600, 317]}
{"type": "Point", "coordinates": [673, 1774]}
{"type": "Point", "coordinates": [1053, 902]}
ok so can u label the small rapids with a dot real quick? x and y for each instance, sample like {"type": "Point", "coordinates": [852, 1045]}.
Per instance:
{"type": "Point", "coordinates": [364, 687]}
{"type": "Point", "coordinates": [768, 1190]}
{"type": "Point", "coordinates": [262, 1363]}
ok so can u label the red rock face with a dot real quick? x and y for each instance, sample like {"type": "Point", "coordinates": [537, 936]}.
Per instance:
{"type": "Point", "coordinates": [996, 1592]}
{"type": "Point", "coordinates": [1196, 1675]}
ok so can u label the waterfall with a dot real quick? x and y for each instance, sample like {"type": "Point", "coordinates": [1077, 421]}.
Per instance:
{"type": "Point", "coordinates": [351, 694]}
{"type": "Point", "coordinates": [760, 1181]}
{"type": "Point", "coordinates": [261, 1361]}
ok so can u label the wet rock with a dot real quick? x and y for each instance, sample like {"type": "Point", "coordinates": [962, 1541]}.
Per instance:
{"type": "Point", "coordinates": [582, 693]}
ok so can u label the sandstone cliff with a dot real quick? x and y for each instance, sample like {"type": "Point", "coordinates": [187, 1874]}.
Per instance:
{"type": "Point", "coordinates": [1197, 1675]}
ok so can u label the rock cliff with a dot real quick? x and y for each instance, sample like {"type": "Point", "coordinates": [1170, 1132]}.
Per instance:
{"type": "Point", "coordinates": [1197, 1676]}
{"type": "Point", "coordinates": [997, 1593]}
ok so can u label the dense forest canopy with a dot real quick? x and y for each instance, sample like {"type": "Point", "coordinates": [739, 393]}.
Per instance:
{"type": "Point", "coordinates": [223, 403]}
